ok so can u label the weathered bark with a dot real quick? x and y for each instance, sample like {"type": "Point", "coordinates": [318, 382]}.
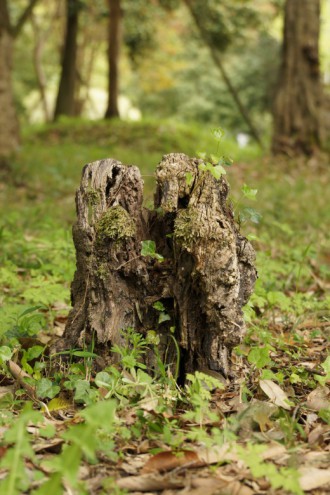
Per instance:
{"type": "Point", "coordinates": [114, 40]}
{"type": "Point", "coordinates": [9, 129]}
{"type": "Point", "coordinates": [207, 275]}
{"type": "Point", "coordinates": [65, 102]}
{"type": "Point", "coordinates": [298, 102]}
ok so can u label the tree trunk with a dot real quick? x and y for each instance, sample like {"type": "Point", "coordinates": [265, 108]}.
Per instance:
{"type": "Point", "coordinates": [113, 58]}
{"type": "Point", "coordinates": [39, 43]}
{"type": "Point", "coordinates": [65, 102]}
{"type": "Point", "coordinates": [206, 277]}
{"type": "Point", "coordinates": [9, 128]}
{"type": "Point", "coordinates": [298, 102]}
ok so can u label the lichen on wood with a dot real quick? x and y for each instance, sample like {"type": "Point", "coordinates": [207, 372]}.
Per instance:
{"type": "Point", "coordinates": [207, 275]}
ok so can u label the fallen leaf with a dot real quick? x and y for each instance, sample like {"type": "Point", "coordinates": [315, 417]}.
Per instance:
{"type": "Point", "coordinates": [166, 461]}
{"type": "Point", "coordinates": [53, 445]}
{"type": "Point", "coordinates": [275, 393]}
{"type": "Point", "coordinates": [151, 481]}
{"type": "Point", "coordinates": [319, 399]}
{"type": "Point", "coordinates": [217, 454]}
{"type": "Point", "coordinates": [316, 436]}
{"type": "Point", "coordinates": [312, 478]}
{"type": "Point", "coordinates": [208, 486]}
{"type": "Point", "coordinates": [58, 404]}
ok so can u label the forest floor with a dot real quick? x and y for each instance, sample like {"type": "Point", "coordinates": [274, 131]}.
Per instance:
{"type": "Point", "coordinates": [66, 427]}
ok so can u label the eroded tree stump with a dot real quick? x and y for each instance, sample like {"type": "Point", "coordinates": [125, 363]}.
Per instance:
{"type": "Point", "coordinates": [206, 277]}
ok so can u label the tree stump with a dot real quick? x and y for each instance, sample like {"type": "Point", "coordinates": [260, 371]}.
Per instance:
{"type": "Point", "coordinates": [207, 274]}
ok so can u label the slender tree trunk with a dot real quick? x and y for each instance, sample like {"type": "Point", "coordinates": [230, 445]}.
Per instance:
{"type": "Point", "coordinates": [298, 101]}
{"type": "Point", "coordinates": [113, 58]}
{"type": "Point", "coordinates": [9, 129]}
{"type": "Point", "coordinates": [65, 103]}
{"type": "Point", "coordinates": [39, 42]}
{"type": "Point", "coordinates": [217, 60]}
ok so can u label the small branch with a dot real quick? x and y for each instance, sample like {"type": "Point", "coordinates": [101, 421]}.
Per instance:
{"type": "Point", "coordinates": [24, 17]}
{"type": "Point", "coordinates": [4, 16]}
{"type": "Point", "coordinates": [19, 375]}
{"type": "Point", "coordinates": [217, 60]}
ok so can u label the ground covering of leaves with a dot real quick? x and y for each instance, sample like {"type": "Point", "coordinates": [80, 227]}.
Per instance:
{"type": "Point", "coordinates": [67, 426]}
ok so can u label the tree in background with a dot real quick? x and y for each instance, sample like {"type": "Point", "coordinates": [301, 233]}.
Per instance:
{"type": "Point", "coordinates": [65, 102]}
{"type": "Point", "coordinates": [9, 128]}
{"type": "Point", "coordinates": [298, 102]}
{"type": "Point", "coordinates": [114, 42]}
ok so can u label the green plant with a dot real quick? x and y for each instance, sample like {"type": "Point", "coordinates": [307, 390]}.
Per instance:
{"type": "Point", "coordinates": [287, 478]}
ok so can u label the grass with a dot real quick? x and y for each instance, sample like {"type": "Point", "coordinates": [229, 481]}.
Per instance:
{"type": "Point", "coordinates": [125, 408]}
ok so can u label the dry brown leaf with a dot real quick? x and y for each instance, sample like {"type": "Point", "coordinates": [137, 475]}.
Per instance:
{"type": "Point", "coordinates": [206, 486]}
{"type": "Point", "coordinates": [236, 488]}
{"type": "Point", "coordinates": [151, 481]}
{"type": "Point", "coordinates": [133, 463]}
{"type": "Point", "coordinates": [165, 461]}
{"type": "Point", "coordinates": [275, 393]}
{"type": "Point", "coordinates": [312, 477]}
{"type": "Point", "coordinates": [274, 451]}
{"type": "Point", "coordinates": [316, 436]}
{"type": "Point", "coordinates": [53, 445]}
{"type": "Point", "coordinates": [227, 452]}
{"type": "Point", "coordinates": [319, 399]}
{"type": "Point", "coordinates": [218, 454]}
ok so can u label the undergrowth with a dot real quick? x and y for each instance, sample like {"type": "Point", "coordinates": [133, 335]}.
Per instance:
{"type": "Point", "coordinates": [62, 413]}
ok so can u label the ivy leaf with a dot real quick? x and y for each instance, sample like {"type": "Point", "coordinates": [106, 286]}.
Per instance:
{"type": "Point", "coordinates": [163, 317]}
{"type": "Point", "coordinates": [82, 391]}
{"type": "Point", "coordinates": [5, 353]}
{"type": "Point", "coordinates": [249, 193]}
{"type": "Point", "coordinates": [215, 159]}
{"type": "Point", "coordinates": [227, 161]}
{"type": "Point", "coordinates": [46, 389]}
{"type": "Point", "coordinates": [259, 356]}
{"type": "Point", "coordinates": [103, 379]}
{"type": "Point", "coordinates": [34, 352]}
{"type": "Point", "coordinates": [149, 249]}
{"type": "Point", "coordinates": [250, 214]}
{"type": "Point", "coordinates": [159, 306]}
{"type": "Point", "coordinates": [218, 133]}
{"type": "Point", "coordinates": [218, 171]}
{"type": "Point", "coordinates": [201, 154]}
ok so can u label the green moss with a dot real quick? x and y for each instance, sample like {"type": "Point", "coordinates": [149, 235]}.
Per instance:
{"type": "Point", "coordinates": [115, 224]}
{"type": "Point", "coordinates": [187, 227]}
{"type": "Point", "coordinates": [93, 196]}
{"type": "Point", "coordinates": [102, 271]}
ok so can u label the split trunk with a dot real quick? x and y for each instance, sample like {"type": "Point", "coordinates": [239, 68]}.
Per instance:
{"type": "Point", "coordinates": [205, 278]}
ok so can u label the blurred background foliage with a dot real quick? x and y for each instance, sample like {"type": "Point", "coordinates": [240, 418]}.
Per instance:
{"type": "Point", "coordinates": [165, 68]}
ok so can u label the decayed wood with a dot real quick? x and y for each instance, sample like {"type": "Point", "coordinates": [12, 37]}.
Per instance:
{"type": "Point", "coordinates": [207, 275]}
